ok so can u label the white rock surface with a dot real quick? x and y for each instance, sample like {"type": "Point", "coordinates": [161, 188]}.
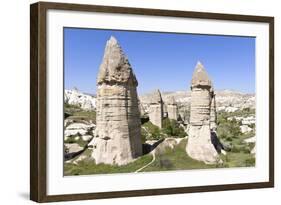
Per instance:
{"type": "Point", "coordinates": [231, 109]}
{"type": "Point", "coordinates": [78, 129]}
{"type": "Point", "coordinates": [84, 101]}
{"type": "Point", "coordinates": [250, 140]}
{"type": "Point", "coordinates": [245, 128]}
{"type": "Point", "coordinates": [73, 147]}
{"type": "Point", "coordinates": [68, 133]}
{"type": "Point", "coordinates": [253, 151]}
{"type": "Point", "coordinates": [86, 137]}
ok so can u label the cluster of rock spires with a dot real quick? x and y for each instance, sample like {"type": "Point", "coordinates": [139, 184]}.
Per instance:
{"type": "Point", "coordinates": [158, 109]}
{"type": "Point", "coordinates": [117, 138]}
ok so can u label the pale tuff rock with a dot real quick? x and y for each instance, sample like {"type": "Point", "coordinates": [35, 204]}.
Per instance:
{"type": "Point", "coordinates": [231, 109]}
{"type": "Point", "coordinates": [199, 144]}
{"type": "Point", "coordinates": [250, 140]}
{"type": "Point", "coordinates": [225, 100]}
{"type": "Point", "coordinates": [156, 109]}
{"type": "Point", "coordinates": [245, 129]}
{"type": "Point", "coordinates": [200, 77]}
{"type": "Point", "coordinates": [253, 151]}
{"type": "Point", "coordinates": [84, 101]}
{"type": "Point", "coordinates": [213, 113]}
{"type": "Point", "coordinates": [72, 147]}
{"type": "Point", "coordinates": [79, 129]}
{"type": "Point", "coordinates": [117, 137]}
{"type": "Point", "coordinates": [172, 108]}
{"type": "Point", "coordinates": [115, 67]}
{"type": "Point", "coordinates": [141, 108]}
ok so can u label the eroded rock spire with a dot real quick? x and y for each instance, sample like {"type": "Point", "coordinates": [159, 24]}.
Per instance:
{"type": "Point", "coordinates": [199, 144]}
{"type": "Point", "coordinates": [156, 109]}
{"type": "Point", "coordinates": [117, 137]}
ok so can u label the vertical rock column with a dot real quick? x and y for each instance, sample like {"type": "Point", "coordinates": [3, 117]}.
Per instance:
{"type": "Point", "coordinates": [156, 109]}
{"type": "Point", "coordinates": [118, 132]}
{"type": "Point", "coordinates": [213, 113]}
{"type": "Point", "coordinates": [172, 109]}
{"type": "Point", "coordinates": [199, 144]}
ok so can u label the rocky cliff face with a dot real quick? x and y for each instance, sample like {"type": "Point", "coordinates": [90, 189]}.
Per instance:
{"type": "Point", "coordinates": [118, 131]}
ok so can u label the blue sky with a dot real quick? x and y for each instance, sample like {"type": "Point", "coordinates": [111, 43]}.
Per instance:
{"type": "Point", "coordinates": [162, 61]}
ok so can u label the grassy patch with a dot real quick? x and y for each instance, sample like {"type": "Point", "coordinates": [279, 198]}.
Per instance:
{"type": "Point", "coordinates": [238, 113]}
{"type": "Point", "coordinates": [175, 159]}
{"type": "Point", "coordinates": [76, 113]}
{"type": "Point", "coordinates": [150, 131]}
{"type": "Point", "coordinates": [171, 128]}
{"type": "Point", "coordinates": [238, 159]}
{"type": "Point", "coordinates": [89, 167]}
{"type": "Point", "coordinates": [80, 141]}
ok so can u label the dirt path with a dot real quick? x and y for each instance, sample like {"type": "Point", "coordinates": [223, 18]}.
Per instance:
{"type": "Point", "coordinates": [153, 159]}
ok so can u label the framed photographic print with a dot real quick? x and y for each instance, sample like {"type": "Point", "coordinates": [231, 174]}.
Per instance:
{"type": "Point", "coordinates": [134, 102]}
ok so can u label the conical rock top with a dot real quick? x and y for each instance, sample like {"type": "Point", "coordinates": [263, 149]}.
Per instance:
{"type": "Point", "coordinates": [171, 101]}
{"type": "Point", "coordinates": [200, 76]}
{"type": "Point", "coordinates": [115, 67]}
{"type": "Point", "coordinates": [156, 97]}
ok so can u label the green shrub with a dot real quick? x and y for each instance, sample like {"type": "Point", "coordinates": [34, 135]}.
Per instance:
{"type": "Point", "coordinates": [228, 129]}
{"type": "Point", "coordinates": [151, 132]}
{"type": "Point", "coordinates": [172, 129]}
{"type": "Point", "coordinates": [250, 162]}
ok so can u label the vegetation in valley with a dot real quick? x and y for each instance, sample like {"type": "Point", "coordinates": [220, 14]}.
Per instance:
{"type": "Point", "coordinates": [171, 128]}
{"type": "Point", "coordinates": [75, 113]}
{"type": "Point", "coordinates": [167, 159]}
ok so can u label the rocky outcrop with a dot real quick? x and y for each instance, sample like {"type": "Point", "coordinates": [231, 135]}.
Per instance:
{"type": "Point", "coordinates": [199, 144]}
{"type": "Point", "coordinates": [156, 109]}
{"type": "Point", "coordinates": [84, 101]}
{"type": "Point", "coordinates": [172, 109]}
{"type": "Point", "coordinates": [76, 129]}
{"type": "Point", "coordinates": [117, 137]}
{"type": "Point", "coordinates": [245, 129]}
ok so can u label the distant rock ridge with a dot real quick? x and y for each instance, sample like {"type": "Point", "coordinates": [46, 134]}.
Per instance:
{"type": "Point", "coordinates": [84, 101]}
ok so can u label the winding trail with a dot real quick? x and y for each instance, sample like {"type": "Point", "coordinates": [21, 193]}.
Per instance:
{"type": "Point", "coordinates": [153, 159]}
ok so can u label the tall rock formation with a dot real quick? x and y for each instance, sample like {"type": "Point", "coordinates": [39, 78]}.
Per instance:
{"type": "Point", "coordinates": [118, 132]}
{"type": "Point", "coordinates": [213, 113]}
{"type": "Point", "coordinates": [156, 109]}
{"type": "Point", "coordinates": [199, 144]}
{"type": "Point", "coordinates": [172, 108]}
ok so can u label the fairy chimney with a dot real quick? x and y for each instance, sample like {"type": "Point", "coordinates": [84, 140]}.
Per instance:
{"type": "Point", "coordinates": [199, 144]}
{"type": "Point", "coordinates": [118, 131]}
{"type": "Point", "coordinates": [172, 108]}
{"type": "Point", "coordinates": [156, 109]}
